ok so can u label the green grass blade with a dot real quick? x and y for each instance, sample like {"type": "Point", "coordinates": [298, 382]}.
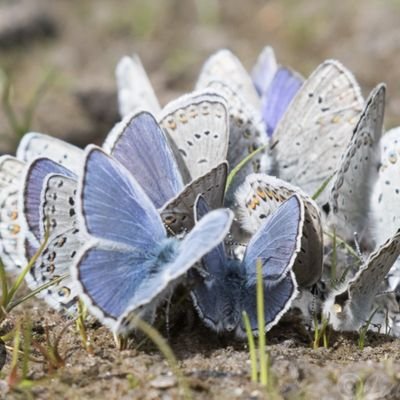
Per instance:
{"type": "Point", "coordinates": [252, 348]}
{"type": "Point", "coordinates": [4, 285]}
{"type": "Point", "coordinates": [322, 187]}
{"type": "Point", "coordinates": [340, 241]}
{"type": "Point", "coordinates": [22, 275]}
{"type": "Point", "coordinates": [36, 291]}
{"type": "Point", "coordinates": [261, 326]}
{"type": "Point", "coordinates": [241, 164]}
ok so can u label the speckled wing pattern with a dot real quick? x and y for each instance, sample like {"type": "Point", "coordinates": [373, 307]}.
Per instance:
{"type": "Point", "coordinates": [259, 196]}
{"type": "Point", "coordinates": [135, 92]}
{"type": "Point", "coordinates": [225, 66]}
{"type": "Point", "coordinates": [358, 172]}
{"type": "Point", "coordinates": [316, 128]}
{"type": "Point", "coordinates": [34, 145]}
{"type": "Point", "coordinates": [59, 207]}
{"type": "Point", "coordinates": [351, 306]}
{"type": "Point", "coordinates": [10, 226]}
{"type": "Point", "coordinates": [386, 193]}
{"type": "Point", "coordinates": [178, 213]}
{"type": "Point", "coordinates": [198, 127]}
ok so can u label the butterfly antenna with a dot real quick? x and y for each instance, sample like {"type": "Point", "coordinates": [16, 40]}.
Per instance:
{"type": "Point", "coordinates": [170, 230]}
{"type": "Point", "coordinates": [273, 144]}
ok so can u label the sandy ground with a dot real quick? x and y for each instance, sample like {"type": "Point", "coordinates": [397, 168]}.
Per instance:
{"type": "Point", "coordinates": [81, 42]}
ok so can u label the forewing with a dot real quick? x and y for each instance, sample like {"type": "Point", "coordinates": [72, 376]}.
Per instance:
{"type": "Point", "coordinates": [264, 70]}
{"type": "Point", "coordinates": [358, 172]}
{"type": "Point", "coordinates": [135, 92]}
{"type": "Point", "coordinates": [114, 207]}
{"type": "Point", "coordinates": [141, 146]}
{"type": "Point", "coordinates": [277, 242]}
{"type": "Point", "coordinates": [316, 128]}
{"type": "Point", "coordinates": [198, 127]}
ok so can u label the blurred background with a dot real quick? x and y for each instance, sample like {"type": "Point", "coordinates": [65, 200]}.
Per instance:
{"type": "Point", "coordinates": [57, 57]}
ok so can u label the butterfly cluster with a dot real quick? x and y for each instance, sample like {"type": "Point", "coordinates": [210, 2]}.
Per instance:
{"type": "Point", "coordinates": [265, 167]}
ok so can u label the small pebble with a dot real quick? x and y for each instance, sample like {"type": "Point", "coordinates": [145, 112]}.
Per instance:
{"type": "Point", "coordinates": [163, 382]}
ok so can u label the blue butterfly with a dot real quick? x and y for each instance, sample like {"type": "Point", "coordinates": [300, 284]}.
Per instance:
{"type": "Point", "coordinates": [128, 263]}
{"type": "Point", "coordinates": [142, 147]}
{"type": "Point", "coordinates": [228, 286]}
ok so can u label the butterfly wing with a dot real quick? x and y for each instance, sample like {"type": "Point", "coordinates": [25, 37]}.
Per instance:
{"type": "Point", "coordinates": [264, 70]}
{"type": "Point", "coordinates": [34, 145]}
{"type": "Point", "coordinates": [315, 130]}
{"type": "Point", "coordinates": [358, 170]}
{"type": "Point", "coordinates": [208, 233]}
{"type": "Point", "coordinates": [63, 242]}
{"type": "Point", "coordinates": [225, 66]}
{"type": "Point", "coordinates": [31, 196]}
{"type": "Point", "coordinates": [177, 214]}
{"type": "Point", "coordinates": [141, 146]}
{"type": "Point", "coordinates": [350, 307]}
{"type": "Point", "coordinates": [10, 226]}
{"type": "Point", "coordinates": [259, 196]}
{"type": "Point", "coordinates": [276, 243]}
{"type": "Point", "coordinates": [385, 204]}
{"type": "Point", "coordinates": [278, 297]}
{"type": "Point", "coordinates": [198, 127]}
{"type": "Point", "coordinates": [276, 99]}
{"type": "Point", "coordinates": [135, 92]}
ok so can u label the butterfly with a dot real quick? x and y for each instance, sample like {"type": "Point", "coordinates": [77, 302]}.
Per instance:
{"type": "Point", "coordinates": [350, 306]}
{"type": "Point", "coordinates": [276, 86]}
{"type": "Point", "coordinates": [141, 146]}
{"type": "Point", "coordinates": [228, 286]}
{"type": "Point", "coordinates": [349, 204]}
{"type": "Point", "coordinates": [122, 275]}
{"type": "Point", "coordinates": [197, 127]}
{"type": "Point", "coordinates": [135, 92]}
{"type": "Point", "coordinates": [259, 196]}
{"type": "Point", "coordinates": [316, 128]}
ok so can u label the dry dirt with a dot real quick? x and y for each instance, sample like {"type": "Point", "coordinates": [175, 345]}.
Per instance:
{"type": "Point", "coordinates": [82, 41]}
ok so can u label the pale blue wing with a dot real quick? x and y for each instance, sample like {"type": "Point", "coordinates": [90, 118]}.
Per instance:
{"type": "Point", "coordinates": [278, 297]}
{"type": "Point", "coordinates": [277, 242]}
{"type": "Point", "coordinates": [32, 191]}
{"type": "Point", "coordinates": [207, 234]}
{"type": "Point", "coordinates": [141, 146]}
{"type": "Point", "coordinates": [114, 206]}
{"type": "Point", "coordinates": [278, 96]}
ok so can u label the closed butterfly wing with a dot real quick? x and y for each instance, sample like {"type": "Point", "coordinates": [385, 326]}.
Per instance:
{"type": "Point", "coordinates": [358, 172]}
{"type": "Point", "coordinates": [276, 243]}
{"type": "Point", "coordinates": [10, 225]}
{"type": "Point", "coordinates": [247, 133]}
{"type": "Point", "coordinates": [135, 92]}
{"type": "Point", "coordinates": [178, 213]}
{"type": "Point", "coordinates": [34, 145]}
{"type": "Point", "coordinates": [316, 128]}
{"type": "Point", "coordinates": [350, 307]}
{"type": "Point", "coordinates": [259, 196]}
{"type": "Point", "coordinates": [264, 70]}
{"type": "Point", "coordinates": [63, 242]}
{"type": "Point", "coordinates": [31, 197]}
{"type": "Point", "coordinates": [276, 99]}
{"type": "Point", "coordinates": [141, 146]}
{"type": "Point", "coordinates": [198, 127]}
{"type": "Point", "coordinates": [225, 66]}
{"type": "Point", "coordinates": [385, 204]}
